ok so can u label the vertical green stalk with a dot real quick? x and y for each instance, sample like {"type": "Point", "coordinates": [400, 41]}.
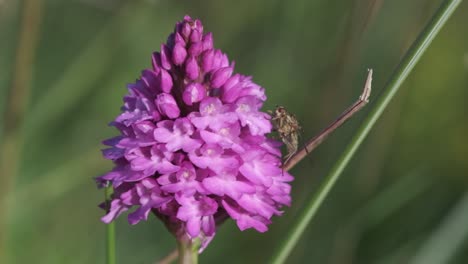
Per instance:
{"type": "Point", "coordinates": [404, 68]}
{"type": "Point", "coordinates": [110, 230]}
{"type": "Point", "coordinates": [188, 250]}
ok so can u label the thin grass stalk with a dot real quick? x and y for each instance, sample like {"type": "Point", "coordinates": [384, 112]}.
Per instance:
{"type": "Point", "coordinates": [11, 142]}
{"type": "Point", "coordinates": [396, 80]}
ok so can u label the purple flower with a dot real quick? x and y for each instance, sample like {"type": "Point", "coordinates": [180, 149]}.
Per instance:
{"type": "Point", "coordinates": [198, 214]}
{"type": "Point", "coordinates": [192, 147]}
{"type": "Point", "coordinates": [176, 134]}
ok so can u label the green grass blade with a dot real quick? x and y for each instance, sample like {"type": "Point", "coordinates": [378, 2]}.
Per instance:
{"type": "Point", "coordinates": [443, 244]}
{"type": "Point", "coordinates": [110, 231]}
{"type": "Point", "coordinates": [404, 68]}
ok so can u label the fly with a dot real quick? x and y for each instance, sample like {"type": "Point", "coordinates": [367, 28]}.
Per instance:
{"type": "Point", "coordinates": [288, 128]}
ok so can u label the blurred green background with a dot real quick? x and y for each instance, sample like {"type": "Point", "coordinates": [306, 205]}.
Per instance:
{"type": "Point", "coordinates": [404, 198]}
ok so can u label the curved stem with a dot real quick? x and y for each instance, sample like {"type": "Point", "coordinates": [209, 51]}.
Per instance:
{"type": "Point", "coordinates": [404, 68]}
{"type": "Point", "coordinates": [169, 258]}
{"type": "Point", "coordinates": [345, 116]}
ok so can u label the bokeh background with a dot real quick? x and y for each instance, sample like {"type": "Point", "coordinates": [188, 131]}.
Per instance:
{"type": "Point", "coordinates": [64, 66]}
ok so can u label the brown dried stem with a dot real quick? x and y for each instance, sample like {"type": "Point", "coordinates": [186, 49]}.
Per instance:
{"type": "Point", "coordinates": [169, 258]}
{"type": "Point", "coordinates": [312, 143]}
{"type": "Point", "coordinates": [15, 111]}
{"type": "Point", "coordinates": [346, 115]}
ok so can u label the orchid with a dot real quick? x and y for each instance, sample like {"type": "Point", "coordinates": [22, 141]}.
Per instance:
{"type": "Point", "coordinates": [193, 145]}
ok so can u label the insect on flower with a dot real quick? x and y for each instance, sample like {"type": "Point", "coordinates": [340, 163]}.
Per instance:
{"type": "Point", "coordinates": [288, 128]}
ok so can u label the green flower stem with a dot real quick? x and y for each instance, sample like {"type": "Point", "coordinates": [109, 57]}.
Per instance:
{"type": "Point", "coordinates": [188, 250]}
{"type": "Point", "coordinates": [110, 231]}
{"type": "Point", "coordinates": [404, 68]}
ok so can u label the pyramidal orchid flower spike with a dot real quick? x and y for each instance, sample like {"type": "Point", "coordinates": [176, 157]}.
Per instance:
{"type": "Point", "coordinates": [193, 147]}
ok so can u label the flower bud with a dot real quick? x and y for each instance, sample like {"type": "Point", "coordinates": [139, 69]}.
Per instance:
{"type": "Point", "coordinates": [208, 41]}
{"type": "Point", "coordinates": [178, 54]}
{"type": "Point", "coordinates": [207, 60]}
{"type": "Point", "coordinates": [167, 105]}
{"type": "Point", "coordinates": [195, 49]}
{"type": "Point", "coordinates": [150, 79]}
{"type": "Point", "coordinates": [199, 26]}
{"type": "Point", "coordinates": [165, 53]}
{"type": "Point", "coordinates": [170, 40]}
{"type": "Point", "coordinates": [220, 76]}
{"type": "Point", "coordinates": [196, 36]}
{"type": "Point", "coordinates": [185, 31]}
{"type": "Point", "coordinates": [217, 59]}
{"type": "Point", "coordinates": [191, 68]}
{"type": "Point", "coordinates": [224, 61]}
{"type": "Point", "coordinates": [179, 40]}
{"type": "Point", "coordinates": [165, 81]}
{"type": "Point", "coordinates": [193, 93]}
{"type": "Point", "coordinates": [231, 82]}
{"type": "Point", "coordinates": [156, 62]}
